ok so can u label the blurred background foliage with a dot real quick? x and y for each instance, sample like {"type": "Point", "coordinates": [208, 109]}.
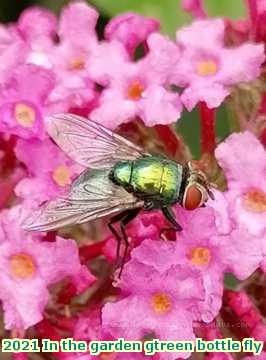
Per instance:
{"type": "Point", "coordinates": [171, 16]}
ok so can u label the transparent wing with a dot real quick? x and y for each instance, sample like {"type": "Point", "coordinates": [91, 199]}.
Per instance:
{"type": "Point", "coordinates": [92, 196]}
{"type": "Point", "coordinates": [89, 143]}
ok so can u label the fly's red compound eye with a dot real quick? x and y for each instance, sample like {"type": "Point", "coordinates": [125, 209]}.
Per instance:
{"type": "Point", "coordinates": [193, 197]}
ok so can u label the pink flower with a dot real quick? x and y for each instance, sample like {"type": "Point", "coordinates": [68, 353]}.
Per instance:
{"type": "Point", "coordinates": [77, 23]}
{"type": "Point", "coordinates": [146, 226]}
{"type": "Point", "coordinates": [170, 295]}
{"type": "Point", "coordinates": [207, 69]}
{"type": "Point", "coordinates": [195, 250]}
{"type": "Point", "coordinates": [69, 57]}
{"type": "Point", "coordinates": [163, 57]}
{"type": "Point", "coordinates": [224, 223]}
{"type": "Point", "coordinates": [234, 240]}
{"type": "Point", "coordinates": [243, 160]}
{"type": "Point", "coordinates": [136, 90]}
{"type": "Point", "coordinates": [50, 171]}
{"type": "Point", "coordinates": [261, 5]}
{"type": "Point", "coordinates": [240, 244]}
{"type": "Point", "coordinates": [131, 30]}
{"type": "Point", "coordinates": [89, 327]}
{"type": "Point", "coordinates": [102, 71]}
{"type": "Point", "coordinates": [172, 291]}
{"type": "Point", "coordinates": [75, 29]}
{"type": "Point", "coordinates": [28, 267]}
{"type": "Point", "coordinates": [23, 98]}
{"type": "Point", "coordinates": [13, 50]}
{"type": "Point", "coordinates": [37, 37]}
{"type": "Point", "coordinates": [195, 8]}
{"type": "Point", "coordinates": [201, 250]}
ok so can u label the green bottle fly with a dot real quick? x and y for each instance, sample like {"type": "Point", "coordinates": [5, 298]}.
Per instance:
{"type": "Point", "coordinates": [121, 179]}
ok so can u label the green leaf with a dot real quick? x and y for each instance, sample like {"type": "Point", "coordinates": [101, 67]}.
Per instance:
{"type": "Point", "coordinates": [169, 12]}
{"type": "Point", "coordinates": [226, 8]}
{"type": "Point", "coordinates": [55, 6]}
{"type": "Point", "coordinates": [189, 127]}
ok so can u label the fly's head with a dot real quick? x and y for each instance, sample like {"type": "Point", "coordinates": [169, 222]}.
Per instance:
{"type": "Point", "coordinates": [196, 189]}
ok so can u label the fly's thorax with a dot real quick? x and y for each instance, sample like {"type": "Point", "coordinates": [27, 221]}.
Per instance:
{"type": "Point", "coordinates": [171, 181]}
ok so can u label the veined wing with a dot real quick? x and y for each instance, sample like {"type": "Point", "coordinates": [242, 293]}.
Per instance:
{"type": "Point", "coordinates": [89, 143]}
{"type": "Point", "coordinates": [92, 196]}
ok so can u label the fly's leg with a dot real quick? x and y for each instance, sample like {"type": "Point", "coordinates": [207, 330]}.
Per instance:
{"type": "Point", "coordinates": [169, 215]}
{"type": "Point", "coordinates": [112, 221]}
{"type": "Point", "coordinates": [129, 216]}
{"type": "Point", "coordinates": [124, 218]}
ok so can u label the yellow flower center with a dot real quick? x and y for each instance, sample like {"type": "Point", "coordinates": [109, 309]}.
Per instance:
{"type": "Point", "coordinates": [62, 176]}
{"type": "Point", "coordinates": [255, 201]}
{"type": "Point", "coordinates": [161, 303]}
{"type": "Point", "coordinates": [206, 68]}
{"type": "Point", "coordinates": [200, 256]}
{"type": "Point", "coordinates": [135, 90]}
{"type": "Point", "coordinates": [77, 64]}
{"type": "Point", "coordinates": [25, 115]}
{"type": "Point", "coordinates": [22, 266]}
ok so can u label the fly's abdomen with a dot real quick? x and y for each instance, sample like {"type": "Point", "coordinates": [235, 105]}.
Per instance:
{"type": "Point", "coordinates": [150, 177]}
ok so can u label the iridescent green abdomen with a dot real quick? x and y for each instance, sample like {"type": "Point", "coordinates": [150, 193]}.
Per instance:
{"type": "Point", "coordinates": [150, 177]}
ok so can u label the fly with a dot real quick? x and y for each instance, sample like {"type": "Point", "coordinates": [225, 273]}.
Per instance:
{"type": "Point", "coordinates": [120, 180]}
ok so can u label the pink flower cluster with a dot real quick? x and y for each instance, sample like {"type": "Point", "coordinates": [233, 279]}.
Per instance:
{"type": "Point", "coordinates": [65, 64]}
{"type": "Point", "coordinates": [184, 279]}
{"type": "Point", "coordinates": [56, 282]}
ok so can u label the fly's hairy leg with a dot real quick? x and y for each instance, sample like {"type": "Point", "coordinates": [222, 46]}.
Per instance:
{"type": "Point", "coordinates": [131, 214]}
{"type": "Point", "coordinates": [169, 215]}
{"type": "Point", "coordinates": [124, 218]}
{"type": "Point", "coordinates": [111, 223]}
